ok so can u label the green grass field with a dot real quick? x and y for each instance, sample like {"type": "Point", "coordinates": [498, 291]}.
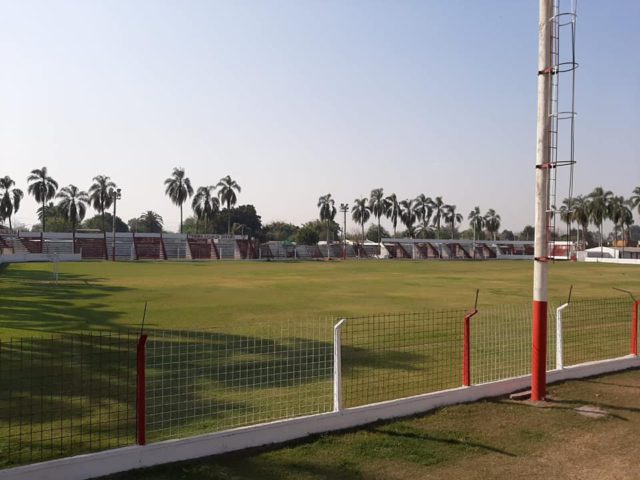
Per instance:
{"type": "Point", "coordinates": [252, 342]}
{"type": "Point", "coordinates": [108, 295]}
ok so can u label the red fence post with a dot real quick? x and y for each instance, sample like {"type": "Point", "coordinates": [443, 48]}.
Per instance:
{"type": "Point", "coordinates": [634, 329]}
{"type": "Point", "coordinates": [140, 392]}
{"type": "Point", "coordinates": [466, 349]}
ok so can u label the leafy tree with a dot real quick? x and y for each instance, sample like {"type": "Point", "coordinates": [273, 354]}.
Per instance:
{"type": "Point", "coordinates": [98, 221]}
{"type": "Point", "coordinates": [492, 222]}
{"type": "Point", "coordinates": [101, 195]}
{"type": "Point", "coordinates": [528, 233]}
{"type": "Point", "coordinates": [206, 205]}
{"type": "Point", "coordinates": [73, 205]}
{"type": "Point", "coordinates": [179, 189]}
{"type": "Point", "coordinates": [373, 231]}
{"type": "Point", "coordinates": [10, 198]}
{"type": "Point", "coordinates": [393, 211]}
{"type": "Point", "coordinates": [424, 210]}
{"type": "Point", "coordinates": [307, 235]}
{"type": "Point", "coordinates": [280, 231]}
{"type": "Point", "coordinates": [360, 212]}
{"type": "Point", "coordinates": [507, 235]}
{"type": "Point", "coordinates": [43, 188]}
{"type": "Point", "coordinates": [242, 215]}
{"type": "Point", "coordinates": [55, 219]}
{"type": "Point", "coordinates": [378, 206]}
{"type": "Point", "coordinates": [326, 204]}
{"type": "Point", "coordinates": [408, 216]}
{"type": "Point", "coordinates": [227, 194]}
{"type": "Point", "coordinates": [438, 208]}
{"type": "Point", "coordinates": [452, 217]}
{"type": "Point", "coordinates": [147, 222]}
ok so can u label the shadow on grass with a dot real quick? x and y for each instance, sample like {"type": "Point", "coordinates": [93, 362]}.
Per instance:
{"type": "Point", "coordinates": [32, 300]}
{"type": "Point", "coordinates": [431, 438]}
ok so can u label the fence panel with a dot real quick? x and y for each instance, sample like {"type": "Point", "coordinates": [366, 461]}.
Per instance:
{"type": "Point", "coordinates": [397, 355]}
{"type": "Point", "coordinates": [208, 381]}
{"type": "Point", "coordinates": [501, 342]}
{"type": "Point", "coordinates": [597, 329]}
{"type": "Point", "coordinates": [66, 395]}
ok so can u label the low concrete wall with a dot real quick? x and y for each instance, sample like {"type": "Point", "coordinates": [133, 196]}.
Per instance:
{"type": "Point", "coordinates": [83, 467]}
{"type": "Point", "coordinates": [621, 261]}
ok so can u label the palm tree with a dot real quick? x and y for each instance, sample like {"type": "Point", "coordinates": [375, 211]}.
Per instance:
{"type": "Point", "coordinates": [73, 205]}
{"type": "Point", "coordinates": [451, 217]}
{"type": "Point", "coordinates": [408, 216]}
{"type": "Point", "coordinates": [581, 215]}
{"type": "Point", "coordinates": [423, 208]}
{"type": "Point", "coordinates": [178, 189]}
{"type": "Point", "coordinates": [626, 219]}
{"type": "Point", "coordinates": [492, 222]}
{"type": "Point", "coordinates": [634, 200]}
{"type": "Point", "coordinates": [43, 188]}
{"type": "Point", "coordinates": [438, 208]}
{"type": "Point", "coordinates": [151, 221]}
{"type": "Point", "coordinates": [566, 214]}
{"type": "Point", "coordinates": [617, 207]}
{"type": "Point", "coordinates": [327, 213]}
{"type": "Point", "coordinates": [360, 213]}
{"type": "Point", "coordinates": [227, 194]}
{"type": "Point", "coordinates": [9, 199]}
{"type": "Point", "coordinates": [378, 206]}
{"type": "Point", "coordinates": [476, 220]}
{"type": "Point", "coordinates": [599, 208]}
{"type": "Point", "coordinates": [393, 211]}
{"type": "Point", "coordinates": [101, 195]}
{"type": "Point", "coordinates": [205, 204]}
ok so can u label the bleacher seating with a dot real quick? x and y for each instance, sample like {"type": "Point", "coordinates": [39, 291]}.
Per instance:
{"type": "Point", "coordinates": [200, 248]}
{"type": "Point", "coordinates": [148, 248]}
{"type": "Point", "coordinates": [91, 248]}
{"type": "Point", "coordinates": [176, 247]}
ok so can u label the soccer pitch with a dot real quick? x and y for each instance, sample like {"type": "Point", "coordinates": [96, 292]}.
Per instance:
{"type": "Point", "coordinates": [193, 296]}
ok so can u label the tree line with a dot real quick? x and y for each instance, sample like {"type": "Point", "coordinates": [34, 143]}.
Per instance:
{"type": "Point", "coordinates": [422, 217]}
{"type": "Point", "coordinates": [213, 206]}
{"type": "Point", "coordinates": [73, 202]}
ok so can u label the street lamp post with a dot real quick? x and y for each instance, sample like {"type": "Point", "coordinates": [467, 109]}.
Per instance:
{"type": "Point", "coordinates": [344, 208]}
{"type": "Point", "coordinates": [117, 195]}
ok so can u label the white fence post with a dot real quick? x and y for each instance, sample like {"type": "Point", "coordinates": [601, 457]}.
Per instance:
{"type": "Point", "coordinates": [559, 344]}
{"type": "Point", "coordinates": [337, 365]}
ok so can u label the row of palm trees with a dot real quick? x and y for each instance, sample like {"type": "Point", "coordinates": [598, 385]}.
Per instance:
{"type": "Point", "coordinates": [73, 202]}
{"type": "Point", "coordinates": [206, 201]}
{"type": "Point", "coordinates": [598, 206]}
{"type": "Point", "coordinates": [419, 215]}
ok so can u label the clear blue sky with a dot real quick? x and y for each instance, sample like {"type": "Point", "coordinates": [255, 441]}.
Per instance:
{"type": "Point", "coordinates": [295, 99]}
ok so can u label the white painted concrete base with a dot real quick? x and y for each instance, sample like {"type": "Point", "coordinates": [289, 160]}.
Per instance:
{"type": "Point", "coordinates": [122, 459]}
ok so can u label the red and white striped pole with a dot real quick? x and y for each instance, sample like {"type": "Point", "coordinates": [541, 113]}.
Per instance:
{"type": "Point", "coordinates": [634, 328]}
{"type": "Point", "coordinates": [541, 246]}
{"type": "Point", "coordinates": [141, 401]}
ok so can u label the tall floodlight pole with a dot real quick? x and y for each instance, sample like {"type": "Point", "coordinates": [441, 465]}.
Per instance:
{"type": "Point", "coordinates": [117, 195]}
{"type": "Point", "coordinates": [344, 208]}
{"type": "Point", "coordinates": [541, 245]}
